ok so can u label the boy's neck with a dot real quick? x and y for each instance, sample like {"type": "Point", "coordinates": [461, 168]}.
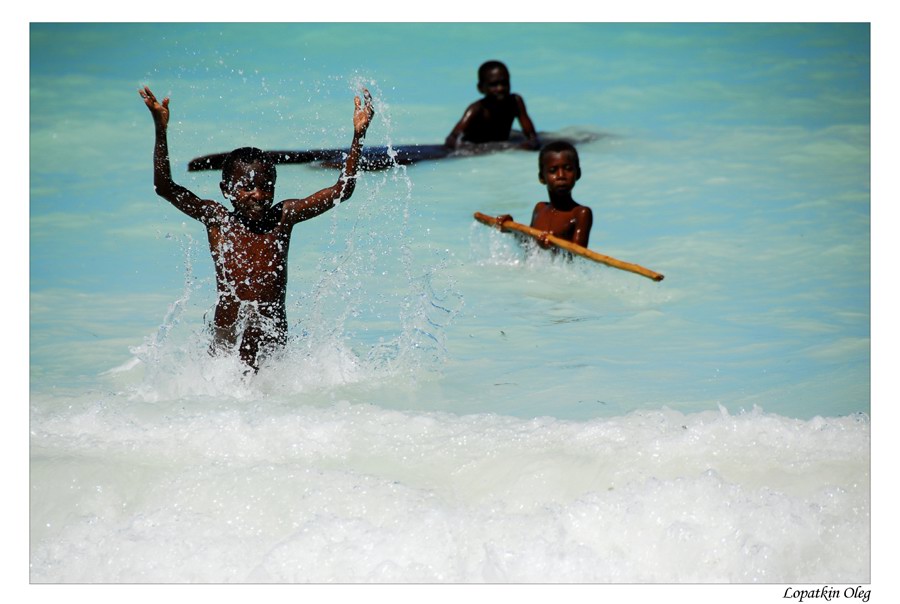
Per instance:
{"type": "Point", "coordinates": [260, 225]}
{"type": "Point", "coordinates": [562, 200]}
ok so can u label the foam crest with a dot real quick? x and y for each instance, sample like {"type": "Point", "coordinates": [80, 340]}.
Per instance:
{"type": "Point", "coordinates": [287, 491]}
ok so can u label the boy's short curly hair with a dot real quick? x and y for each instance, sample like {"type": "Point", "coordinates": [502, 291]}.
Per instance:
{"type": "Point", "coordinates": [557, 147]}
{"type": "Point", "coordinates": [246, 156]}
{"type": "Point", "coordinates": [489, 65]}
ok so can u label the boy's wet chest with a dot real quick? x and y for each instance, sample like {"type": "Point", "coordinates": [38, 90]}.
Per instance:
{"type": "Point", "coordinates": [559, 223]}
{"type": "Point", "coordinates": [240, 250]}
{"type": "Point", "coordinates": [494, 121]}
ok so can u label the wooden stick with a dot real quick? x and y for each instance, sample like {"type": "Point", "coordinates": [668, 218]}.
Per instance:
{"type": "Point", "coordinates": [569, 246]}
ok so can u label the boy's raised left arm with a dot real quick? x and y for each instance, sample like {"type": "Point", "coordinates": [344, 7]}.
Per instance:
{"type": "Point", "coordinates": [298, 210]}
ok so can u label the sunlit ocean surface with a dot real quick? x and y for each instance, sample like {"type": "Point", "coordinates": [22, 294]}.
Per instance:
{"type": "Point", "coordinates": [453, 405]}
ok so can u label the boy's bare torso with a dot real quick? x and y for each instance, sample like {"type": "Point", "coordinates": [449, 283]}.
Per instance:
{"type": "Point", "coordinates": [491, 120]}
{"type": "Point", "coordinates": [250, 259]}
{"type": "Point", "coordinates": [565, 224]}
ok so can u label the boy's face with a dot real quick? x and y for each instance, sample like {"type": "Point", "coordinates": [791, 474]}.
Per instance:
{"type": "Point", "coordinates": [495, 83]}
{"type": "Point", "coordinates": [251, 189]}
{"type": "Point", "coordinates": [559, 171]}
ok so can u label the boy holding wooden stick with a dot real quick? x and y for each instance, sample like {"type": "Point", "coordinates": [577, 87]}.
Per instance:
{"type": "Point", "coordinates": [562, 216]}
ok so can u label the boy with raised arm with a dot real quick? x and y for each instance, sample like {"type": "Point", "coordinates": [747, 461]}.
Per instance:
{"type": "Point", "coordinates": [490, 119]}
{"type": "Point", "coordinates": [249, 245]}
{"type": "Point", "coordinates": [562, 216]}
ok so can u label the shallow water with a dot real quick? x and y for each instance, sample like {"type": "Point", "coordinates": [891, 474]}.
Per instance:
{"type": "Point", "coordinates": [454, 406]}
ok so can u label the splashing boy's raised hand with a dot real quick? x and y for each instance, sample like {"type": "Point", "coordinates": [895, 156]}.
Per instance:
{"type": "Point", "coordinates": [362, 114]}
{"type": "Point", "coordinates": [160, 111]}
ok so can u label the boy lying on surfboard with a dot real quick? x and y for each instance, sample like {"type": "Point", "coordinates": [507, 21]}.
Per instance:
{"type": "Point", "coordinates": [249, 245]}
{"type": "Point", "coordinates": [490, 119]}
{"type": "Point", "coordinates": [485, 127]}
{"type": "Point", "coordinates": [562, 216]}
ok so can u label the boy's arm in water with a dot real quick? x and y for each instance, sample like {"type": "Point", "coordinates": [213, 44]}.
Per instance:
{"type": "Point", "coordinates": [298, 210]}
{"type": "Point", "coordinates": [452, 140]}
{"type": "Point", "coordinates": [177, 195]}
{"type": "Point", "coordinates": [527, 125]}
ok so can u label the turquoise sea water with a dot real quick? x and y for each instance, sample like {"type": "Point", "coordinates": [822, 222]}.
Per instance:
{"type": "Point", "coordinates": [453, 406]}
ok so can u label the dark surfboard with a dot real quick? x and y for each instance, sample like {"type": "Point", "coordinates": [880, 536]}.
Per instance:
{"type": "Point", "coordinates": [382, 158]}
{"type": "Point", "coordinates": [373, 158]}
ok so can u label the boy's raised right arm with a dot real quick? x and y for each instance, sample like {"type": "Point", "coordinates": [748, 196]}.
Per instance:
{"type": "Point", "coordinates": [180, 197]}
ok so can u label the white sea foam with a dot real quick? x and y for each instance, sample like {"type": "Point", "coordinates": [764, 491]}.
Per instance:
{"type": "Point", "coordinates": [221, 490]}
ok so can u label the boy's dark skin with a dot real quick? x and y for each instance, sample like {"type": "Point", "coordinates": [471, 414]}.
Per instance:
{"type": "Point", "coordinates": [562, 216]}
{"type": "Point", "coordinates": [249, 245]}
{"type": "Point", "coordinates": [490, 119]}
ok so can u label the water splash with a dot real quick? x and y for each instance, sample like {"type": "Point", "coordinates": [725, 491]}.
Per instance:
{"type": "Point", "coordinates": [376, 306]}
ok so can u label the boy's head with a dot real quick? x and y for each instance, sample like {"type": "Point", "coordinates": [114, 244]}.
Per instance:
{"type": "Point", "coordinates": [558, 147]}
{"type": "Point", "coordinates": [493, 79]}
{"type": "Point", "coordinates": [248, 180]}
{"type": "Point", "coordinates": [557, 154]}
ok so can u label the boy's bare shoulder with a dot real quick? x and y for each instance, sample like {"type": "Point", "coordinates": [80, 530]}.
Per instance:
{"type": "Point", "coordinates": [213, 212]}
{"type": "Point", "coordinates": [476, 107]}
{"type": "Point", "coordinates": [576, 210]}
{"type": "Point", "coordinates": [581, 212]}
